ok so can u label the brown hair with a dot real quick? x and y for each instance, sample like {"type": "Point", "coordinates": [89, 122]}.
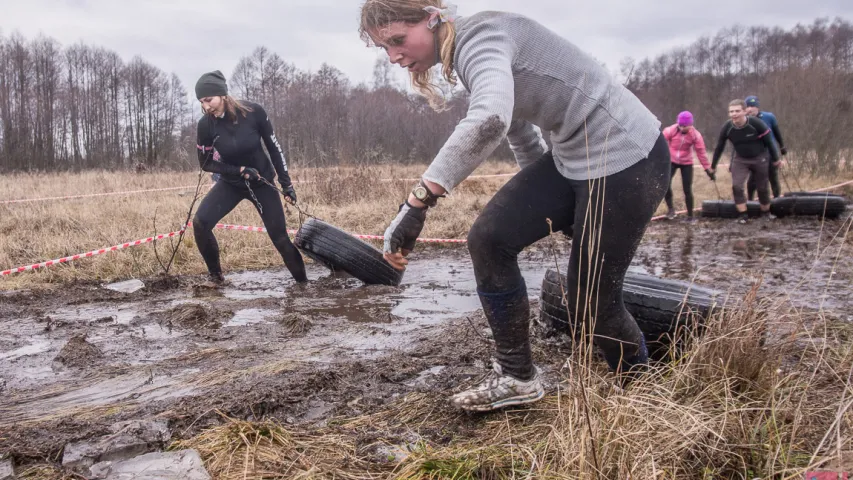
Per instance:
{"type": "Point", "coordinates": [738, 103]}
{"type": "Point", "coordinates": [232, 106]}
{"type": "Point", "coordinates": [376, 14]}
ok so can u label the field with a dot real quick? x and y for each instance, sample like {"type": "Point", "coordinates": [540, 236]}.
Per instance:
{"type": "Point", "coordinates": [267, 379]}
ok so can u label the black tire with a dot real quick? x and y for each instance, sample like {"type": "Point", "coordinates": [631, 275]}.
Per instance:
{"type": "Point", "coordinates": [339, 250]}
{"type": "Point", "coordinates": [822, 206]}
{"type": "Point", "coordinates": [658, 305]}
{"type": "Point", "coordinates": [727, 209]}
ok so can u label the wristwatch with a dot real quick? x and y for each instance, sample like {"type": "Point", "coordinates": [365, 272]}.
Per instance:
{"type": "Point", "coordinates": [424, 194]}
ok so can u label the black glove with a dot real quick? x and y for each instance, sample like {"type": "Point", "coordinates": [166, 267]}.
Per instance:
{"type": "Point", "coordinates": [405, 229]}
{"type": "Point", "coordinates": [783, 151]}
{"type": "Point", "coordinates": [287, 187]}
{"type": "Point", "coordinates": [251, 174]}
{"type": "Point", "coordinates": [711, 175]}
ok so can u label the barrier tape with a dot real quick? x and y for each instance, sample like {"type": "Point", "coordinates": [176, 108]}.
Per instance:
{"type": "Point", "coordinates": [191, 187]}
{"type": "Point", "coordinates": [93, 253]}
{"type": "Point", "coordinates": [222, 226]}
{"type": "Point", "coordinates": [249, 228]}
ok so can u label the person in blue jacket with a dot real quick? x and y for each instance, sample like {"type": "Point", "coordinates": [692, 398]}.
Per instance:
{"type": "Point", "coordinates": [753, 110]}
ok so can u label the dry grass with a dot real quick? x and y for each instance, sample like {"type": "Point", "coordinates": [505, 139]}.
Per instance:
{"type": "Point", "coordinates": [735, 405]}
{"type": "Point", "coordinates": [352, 198]}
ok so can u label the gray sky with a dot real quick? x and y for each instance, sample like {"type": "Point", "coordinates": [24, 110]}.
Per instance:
{"type": "Point", "coordinates": [189, 37]}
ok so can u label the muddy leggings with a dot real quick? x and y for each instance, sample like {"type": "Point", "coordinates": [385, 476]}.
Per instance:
{"type": "Point", "coordinates": [755, 167]}
{"type": "Point", "coordinates": [775, 186]}
{"type": "Point", "coordinates": [607, 216]}
{"type": "Point", "coordinates": [686, 183]}
{"type": "Point", "coordinates": [221, 199]}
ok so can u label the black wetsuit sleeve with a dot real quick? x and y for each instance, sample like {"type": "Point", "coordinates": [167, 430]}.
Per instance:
{"type": "Point", "coordinates": [268, 135]}
{"type": "Point", "coordinates": [777, 133]}
{"type": "Point", "coordinates": [207, 156]}
{"type": "Point", "coordinates": [721, 145]}
{"type": "Point", "coordinates": [766, 137]}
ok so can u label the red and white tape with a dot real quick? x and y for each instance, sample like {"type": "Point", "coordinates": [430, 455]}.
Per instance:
{"type": "Point", "coordinates": [248, 228]}
{"type": "Point", "coordinates": [93, 253]}
{"type": "Point", "coordinates": [222, 226]}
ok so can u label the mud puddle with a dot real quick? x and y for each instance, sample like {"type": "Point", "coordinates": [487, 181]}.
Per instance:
{"type": "Point", "coordinates": [265, 347]}
{"type": "Point", "coordinates": [184, 342]}
{"type": "Point", "coordinates": [798, 260]}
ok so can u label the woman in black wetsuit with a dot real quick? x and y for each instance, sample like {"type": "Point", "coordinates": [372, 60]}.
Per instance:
{"type": "Point", "coordinates": [229, 144]}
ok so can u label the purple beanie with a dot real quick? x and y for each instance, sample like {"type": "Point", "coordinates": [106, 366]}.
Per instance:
{"type": "Point", "coordinates": [685, 119]}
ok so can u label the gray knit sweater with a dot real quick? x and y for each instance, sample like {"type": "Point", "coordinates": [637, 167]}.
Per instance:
{"type": "Point", "coordinates": [521, 76]}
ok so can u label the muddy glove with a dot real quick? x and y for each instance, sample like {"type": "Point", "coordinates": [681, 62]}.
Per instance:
{"type": "Point", "coordinates": [711, 175]}
{"type": "Point", "coordinates": [287, 187]}
{"type": "Point", "coordinates": [405, 229]}
{"type": "Point", "coordinates": [251, 174]}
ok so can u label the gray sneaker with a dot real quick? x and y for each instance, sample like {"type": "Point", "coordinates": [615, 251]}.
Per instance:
{"type": "Point", "coordinates": [499, 391]}
{"type": "Point", "coordinates": [670, 214]}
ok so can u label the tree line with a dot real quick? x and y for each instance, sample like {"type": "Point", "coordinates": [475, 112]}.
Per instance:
{"type": "Point", "coordinates": [804, 75]}
{"type": "Point", "coordinates": [81, 106]}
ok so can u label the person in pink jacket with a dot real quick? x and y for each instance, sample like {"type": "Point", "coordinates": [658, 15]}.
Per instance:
{"type": "Point", "coordinates": [683, 139]}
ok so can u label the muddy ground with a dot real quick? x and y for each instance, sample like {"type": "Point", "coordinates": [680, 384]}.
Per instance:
{"type": "Point", "coordinates": [76, 359]}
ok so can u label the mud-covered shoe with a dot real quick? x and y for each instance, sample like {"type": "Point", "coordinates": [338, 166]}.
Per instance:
{"type": "Point", "coordinates": [214, 280]}
{"type": "Point", "coordinates": [743, 219]}
{"type": "Point", "coordinates": [768, 215]}
{"type": "Point", "coordinates": [670, 214]}
{"type": "Point", "coordinates": [499, 391]}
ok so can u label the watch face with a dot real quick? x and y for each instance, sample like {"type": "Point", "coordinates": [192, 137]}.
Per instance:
{"type": "Point", "coordinates": [420, 193]}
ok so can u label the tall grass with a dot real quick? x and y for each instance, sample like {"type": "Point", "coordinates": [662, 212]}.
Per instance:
{"type": "Point", "coordinates": [352, 198]}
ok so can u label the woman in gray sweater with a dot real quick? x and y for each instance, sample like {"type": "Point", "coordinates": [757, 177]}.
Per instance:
{"type": "Point", "coordinates": [602, 179]}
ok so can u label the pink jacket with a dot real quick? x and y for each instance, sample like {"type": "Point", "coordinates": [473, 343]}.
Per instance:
{"type": "Point", "coordinates": [681, 146]}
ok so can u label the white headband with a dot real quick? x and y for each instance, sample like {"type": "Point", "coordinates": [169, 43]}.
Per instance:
{"type": "Point", "coordinates": [438, 15]}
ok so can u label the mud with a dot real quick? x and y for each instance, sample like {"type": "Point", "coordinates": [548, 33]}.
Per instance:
{"type": "Point", "coordinates": [264, 347]}
{"type": "Point", "coordinates": [78, 353]}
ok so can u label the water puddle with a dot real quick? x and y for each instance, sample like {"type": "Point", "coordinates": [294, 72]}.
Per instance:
{"type": "Point", "coordinates": [127, 286]}
{"type": "Point", "coordinates": [250, 316]}
{"type": "Point", "coordinates": [34, 348]}
{"type": "Point", "coordinates": [86, 395]}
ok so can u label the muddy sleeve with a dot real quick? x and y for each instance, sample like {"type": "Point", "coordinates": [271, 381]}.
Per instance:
{"type": "Point", "coordinates": [721, 145]}
{"type": "Point", "coordinates": [208, 157]}
{"type": "Point", "coordinates": [268, 135]}
{"type": "Point", "coordinates": [526, 142]}
{"type": "Point", "coordinates": [484, 63]}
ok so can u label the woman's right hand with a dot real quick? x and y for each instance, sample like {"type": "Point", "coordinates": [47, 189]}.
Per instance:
{"type": "Point", "coordinates": [401, 235]}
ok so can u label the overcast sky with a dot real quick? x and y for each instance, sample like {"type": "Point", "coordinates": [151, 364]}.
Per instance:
{"type": "Point", "coordinates": [189, 37]}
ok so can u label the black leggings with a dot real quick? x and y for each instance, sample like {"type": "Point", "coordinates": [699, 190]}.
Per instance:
{"type": "Point", "coordinates": [221, 199]}
{"type": "Point", "coordinates": [775, 186]}
{"type": "Point", "coordinates": [607, 217]}
{"type": "Point", "coordinates": [686, 182]}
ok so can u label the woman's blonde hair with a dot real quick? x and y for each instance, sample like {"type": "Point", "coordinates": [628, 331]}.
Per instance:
{"type": "Point", "coordinates": [376, 14]}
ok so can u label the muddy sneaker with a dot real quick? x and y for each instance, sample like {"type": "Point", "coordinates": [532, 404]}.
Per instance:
{"type": "Point", "coordinates": [743, 218]}
{"type": "Point", "coordinates": [670, 214]}
{"type": "Point", "coordinates": [499, 391]}
{"type": "Point", "coordinates": [214, 280]}
{"type": "Point", "coordinates": [691, 220]}
{"type": "Point", "coordinates": [768, 216]}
